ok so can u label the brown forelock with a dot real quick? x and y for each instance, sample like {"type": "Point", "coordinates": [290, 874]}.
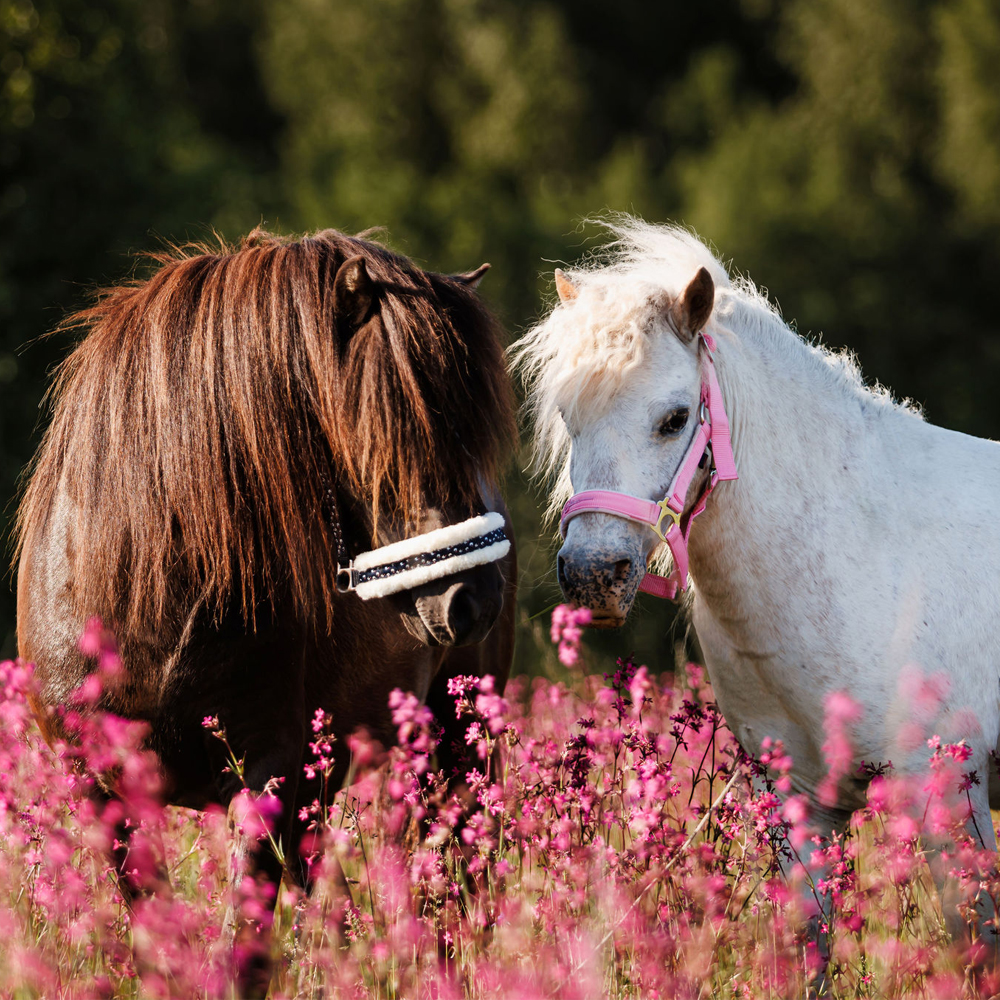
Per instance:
{"type": "Point", "coordinates": [196, 423]}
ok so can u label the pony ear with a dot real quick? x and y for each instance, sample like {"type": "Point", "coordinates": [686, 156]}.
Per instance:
{"type": "Point", "coordinates": [690, 312]}
{"type": "Point", "coordinates": [565, 288]}
{"type": "Point", "coordinates": [353, 293]}
{"type": "Point", "coordinates": [471, 279]}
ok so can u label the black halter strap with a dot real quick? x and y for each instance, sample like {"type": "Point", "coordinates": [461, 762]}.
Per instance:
{"type": "Point", "coordinates": [332, 513]}
{"type": "Point", "coordinates": [420, 559]}
{"type": "Point", "coordinates": [479, 539]}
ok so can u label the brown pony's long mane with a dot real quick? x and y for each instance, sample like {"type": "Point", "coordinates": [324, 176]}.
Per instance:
{"type": "Point", "coordinates": [199, 422]}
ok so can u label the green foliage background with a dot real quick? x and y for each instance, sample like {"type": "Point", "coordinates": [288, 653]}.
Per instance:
{"type": "Point", "coordinates": [845, 153]}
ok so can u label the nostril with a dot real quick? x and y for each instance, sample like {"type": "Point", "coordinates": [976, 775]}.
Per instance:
{"type": "Point", "coordinates": [464, 611]}
{"type": "Point", "coordinates": [561, 571]}
{"type": "Point", "coordinates": [622, 570]}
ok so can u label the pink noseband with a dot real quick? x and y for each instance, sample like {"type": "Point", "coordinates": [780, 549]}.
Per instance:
{"type": "Point", "coordinates": [711, 442]}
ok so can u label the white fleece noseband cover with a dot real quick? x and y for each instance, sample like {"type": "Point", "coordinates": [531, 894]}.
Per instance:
{"type": "Point", "coordinates": [415, 561]}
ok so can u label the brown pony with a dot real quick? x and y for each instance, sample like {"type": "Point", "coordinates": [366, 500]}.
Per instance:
{"type": "Point", "coordinates": [223, 433]}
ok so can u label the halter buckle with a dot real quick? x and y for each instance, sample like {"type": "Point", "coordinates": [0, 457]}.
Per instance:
{"type": "Point", "coordinates": [345, 577]}
{"type": "Point", "coordinates": [666, 511]}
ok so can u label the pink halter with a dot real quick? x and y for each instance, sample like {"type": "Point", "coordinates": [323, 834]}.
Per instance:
{"type": "Point", "coordinates": [711, 439]}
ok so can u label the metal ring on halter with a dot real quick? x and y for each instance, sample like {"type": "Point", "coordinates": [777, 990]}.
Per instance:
{"type": "Point", "coordinates": [666, 511]}
{"type": "Point", "coordinates": [345, 578]}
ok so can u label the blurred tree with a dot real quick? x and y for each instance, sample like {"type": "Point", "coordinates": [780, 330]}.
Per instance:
{"type": "Point", "coordinates": [453, 123]}
{"type": "Point", "coordinates": [854, 197]}
{"type": "Point", "coordinates": [475, 129]}
{"type": "Point", "coordinates": [843, 152]}
{"type": "Point", "coordinates": [968, 146]}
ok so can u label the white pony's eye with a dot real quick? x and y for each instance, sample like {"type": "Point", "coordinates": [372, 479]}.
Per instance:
{"type": "Point", "coordinates": [674, 422]}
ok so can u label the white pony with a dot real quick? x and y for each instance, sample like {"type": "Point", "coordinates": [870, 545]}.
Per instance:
{"type": "Point", "coordinates": [857, 543]}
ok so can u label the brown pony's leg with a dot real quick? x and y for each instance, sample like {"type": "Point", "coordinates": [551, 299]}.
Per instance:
{"type": "Point", "coordinates": [131, 886]}
{"type": "Point", "coordinates": [251, 946]}
{"type": "Point", "coordinates": [334, 889]}
{"type": "Point", "coordinates": [491, 656]}
{"type": "Point", "coordinates": [254, 684]}
{"type": "Point", "coordinates": [255, 859]}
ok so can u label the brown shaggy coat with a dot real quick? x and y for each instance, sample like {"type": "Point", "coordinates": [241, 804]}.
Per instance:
{"type": "Point", "coordinates": [219, 430]}
{"type": "Point", "coordinates": [197, 422]}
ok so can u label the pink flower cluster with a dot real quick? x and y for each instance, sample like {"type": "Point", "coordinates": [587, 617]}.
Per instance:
{"type": "Point", "coordinates": [567, 631]}
{"type": "Point", "coordinates": [68, 927]}
{"type": "Point", "coordinates": [607, 837]}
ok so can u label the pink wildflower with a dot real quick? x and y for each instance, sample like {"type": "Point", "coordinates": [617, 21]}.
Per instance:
{"type": "Point", "coordinates": [567, 631]}
{"type": "Point", "coordinates": [841, 712]}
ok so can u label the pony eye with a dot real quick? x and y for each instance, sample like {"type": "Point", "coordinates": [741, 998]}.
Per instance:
{"type": "Point", "coordinates": [673, 423]}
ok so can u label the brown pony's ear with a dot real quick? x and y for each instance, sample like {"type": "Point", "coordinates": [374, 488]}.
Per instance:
{"type": "Point", "coordinates": [690, 312]}
{"type": "Point", "coordinates": [471, 279]}
{"type": "Point", "coordinates": [353, 294]}
{"type": "Point", "coordinates": [565, 288]}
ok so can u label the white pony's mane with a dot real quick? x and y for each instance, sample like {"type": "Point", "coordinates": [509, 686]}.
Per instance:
{"type": "Point", "coordinates": [583, 350]}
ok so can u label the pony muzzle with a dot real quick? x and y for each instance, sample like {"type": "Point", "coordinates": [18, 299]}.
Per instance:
{"type": "Point", "coordinates": [600, 566]}
{"type": "Point", "coordinates": [421, 559]}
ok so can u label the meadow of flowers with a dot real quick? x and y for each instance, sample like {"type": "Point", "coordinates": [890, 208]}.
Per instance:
{"type": "Point", "coordinates": [621, 845]}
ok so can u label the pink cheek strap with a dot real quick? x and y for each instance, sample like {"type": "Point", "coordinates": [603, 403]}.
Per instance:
{"type": "Point", "coordinates": [711, 440]}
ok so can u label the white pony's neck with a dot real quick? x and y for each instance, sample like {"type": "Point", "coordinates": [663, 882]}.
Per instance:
{"type": "Point", "coordinates": [800, 419]}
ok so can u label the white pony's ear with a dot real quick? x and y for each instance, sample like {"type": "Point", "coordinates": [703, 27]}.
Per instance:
{"type": "Point", "coordinates": [691, 310]}
{"type": "Point", "coordinates": [565, 288]}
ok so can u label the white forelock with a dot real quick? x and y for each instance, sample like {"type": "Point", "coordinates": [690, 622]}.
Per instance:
{"type": "Point", "coordinates": [583, 350]}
